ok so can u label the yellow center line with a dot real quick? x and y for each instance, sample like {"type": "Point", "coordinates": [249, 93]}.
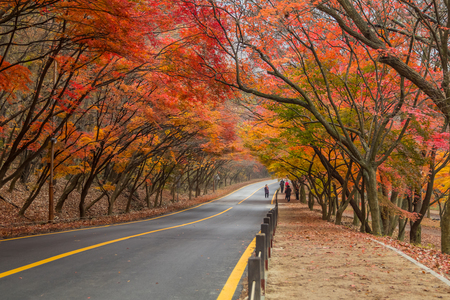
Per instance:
{"type": "Point", "coordinates": [273, 197]}
{"type": "Point", "coordinates": [249, 196]}
{"type": "Point", "coordinates": [230, 286]}
{"type": "Point", "coordinates": [233, 281]}
{"type": "Point", "coordinates": [254, 193]}
{"type": "Point", "coordinates": [53, 258]}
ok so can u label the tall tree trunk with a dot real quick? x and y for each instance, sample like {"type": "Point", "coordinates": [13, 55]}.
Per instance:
{"type": "Point", "coordinates": [161, 196]}
{"type": "Point", "coordinates": [147, 195]}
{"type": "Point", "coordinates": [173, 191]}
{"type": "Point", "coordinates": [197, 183]}
{"type": "Point", "coordinates": [189, 184]}
{"type": "Point", "coordinates": [393, 219]}
{"type": "Point", "coordinates": [310, 201]}
{"type": "Point", "coordinates": [445, 228]}
{"type": "Point", "coordinates": [363, 205]}
{"type": "Point", "coordinates": [356, 221]}
{"type": "Point", "coordinates": [330, 207]}
{"type": "Point", "coordinates": [402, 221]}
{"type": "Point", "coordinates": [84, 192]}
{"type": "Point", "coordinates": [334, 200]}
{"type": "Point", "coordinates": [422, 206]}
{"type": "Point", "coordinates": [302, 193]}
{"type": "Point", "coordinates": [324, 206]}
{"type": "Point", "coordinates": [372, 198]}
{"type": "Point", "coordinates": [415, 233]}
{"type": "Point", "coordinates": [384, 211]}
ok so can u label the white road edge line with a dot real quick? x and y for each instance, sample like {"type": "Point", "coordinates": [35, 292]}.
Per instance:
{"type": "Point", "coordinates": [438, 276]}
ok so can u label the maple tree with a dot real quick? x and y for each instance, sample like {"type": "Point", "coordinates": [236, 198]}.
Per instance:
{"type": "Point", "coordinates": [355, 74]}
{"type": "Point", "coordinates": [292, 150]}
{"type": "Point", "coordinates": [109, 80]}
{"type": "Point", "coordinates": [351, 96]}
{"type": "Point", "coordinates": [319, 82]}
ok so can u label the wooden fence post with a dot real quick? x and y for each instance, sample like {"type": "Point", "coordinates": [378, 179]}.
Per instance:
{"type": "Point", "coordinates": [254, 275]}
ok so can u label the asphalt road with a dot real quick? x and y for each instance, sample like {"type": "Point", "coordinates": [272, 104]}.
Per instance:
{"type": "Point", "coordinates": [185, 255]}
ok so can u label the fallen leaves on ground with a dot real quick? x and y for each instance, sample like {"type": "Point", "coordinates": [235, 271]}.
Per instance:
{"type": "Point", "coordinates": [9, 227]}
{"type": "Point", "coordinates": [315, 259]}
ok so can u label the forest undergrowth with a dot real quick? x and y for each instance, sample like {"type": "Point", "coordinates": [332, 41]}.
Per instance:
{"type": "Point", "coordinates": [13, 225]}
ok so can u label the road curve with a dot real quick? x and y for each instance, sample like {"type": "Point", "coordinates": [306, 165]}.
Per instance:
{"type": "Point", "coordinates": [184, 255]}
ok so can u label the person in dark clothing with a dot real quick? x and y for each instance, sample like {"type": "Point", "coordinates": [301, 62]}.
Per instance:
{"type": "Point", "coordinates": [296, 192]}
{"type": "Point", "coordinates": [282, 185]}
{"type": "Point", "coordinates": [266, 191]}
{"type": "Point", "coordinates": [288, 193]}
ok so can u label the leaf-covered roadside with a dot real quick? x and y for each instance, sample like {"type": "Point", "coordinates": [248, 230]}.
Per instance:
{"type": "Point", "coordinates": [316, 259]}
{"type": "Point", "coordinates": [427, 253]}
{"type": "Point", "coordinates": [16, 230]}
{"type": "Point", "coordinates": [432, 258]}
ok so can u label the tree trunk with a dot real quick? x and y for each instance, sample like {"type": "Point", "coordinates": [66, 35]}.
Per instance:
{"type": "Point", "coordinates": [173, 191]}
{"type": "Point", "coordinates": [147, 195]}
{"type": "Point", "coordinates": [339, 213]}
{"type": "Point", "coordinates": [422, 205]}
{"type": "Point", "coordinates": [445, 228]}
{"type": "Point", "coordinates": [310, 201]}
{"type": "Point", "coordinates": [161, 196]}
{"type": "Point", "coordinates": [338, 217]}
{"type": "Point", "coordinates": [302, 193]}
{"type": "Point", "coordinates": [356, 221]}
{"type": "Point", "coordinates": [402, 221]}
{"type": "Point", "coordinates": [330, 207]}
{"type": "Point", "coordinates": [393, 219]}
{"type": "Point", "coordinates": [334, 200]}
{"type": "Point", "coordinates": [69, 189]}
{"type": "Point", "coordinates": [372, 197]}
{"type": "Point", "coordinates": [12, 185]}
{"type": "Point", "coordinates": [40, 183]}
{"type": "Point", "coordinates": [415, 234]}
{"type": "Point", "coordinates": [363, 206]}
{"type": "Point", "coordinates": [189, 184]}
{"type": "Point", "coordinates": [120, 186]}
{"type": "Point", "coordinates": [31, 198]}
{"type": "Point", "coordinates": [344, 203]}
{"type": "Point", "coordinates": [384, 211]}
{"type": "Point", "coordinates": [324, 206]}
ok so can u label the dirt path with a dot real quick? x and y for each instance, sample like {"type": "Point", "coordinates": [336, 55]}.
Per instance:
{"type": "Point", "coordinates": [314, 259]}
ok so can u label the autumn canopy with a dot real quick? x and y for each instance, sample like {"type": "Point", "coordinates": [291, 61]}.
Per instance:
{"type": "Point", "coordinates": [348, 99]}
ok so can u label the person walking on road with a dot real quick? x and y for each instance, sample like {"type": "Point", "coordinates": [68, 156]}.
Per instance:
{"type": "Point", "coordinates": [288, 193]}
{"type": "Point", "coordinates": [266, 191]}
{"type": "Point", "coordinates": [282, 185]}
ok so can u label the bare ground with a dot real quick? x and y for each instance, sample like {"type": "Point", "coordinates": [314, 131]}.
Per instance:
{"type": "Point", "coordinates": [315, 259]}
